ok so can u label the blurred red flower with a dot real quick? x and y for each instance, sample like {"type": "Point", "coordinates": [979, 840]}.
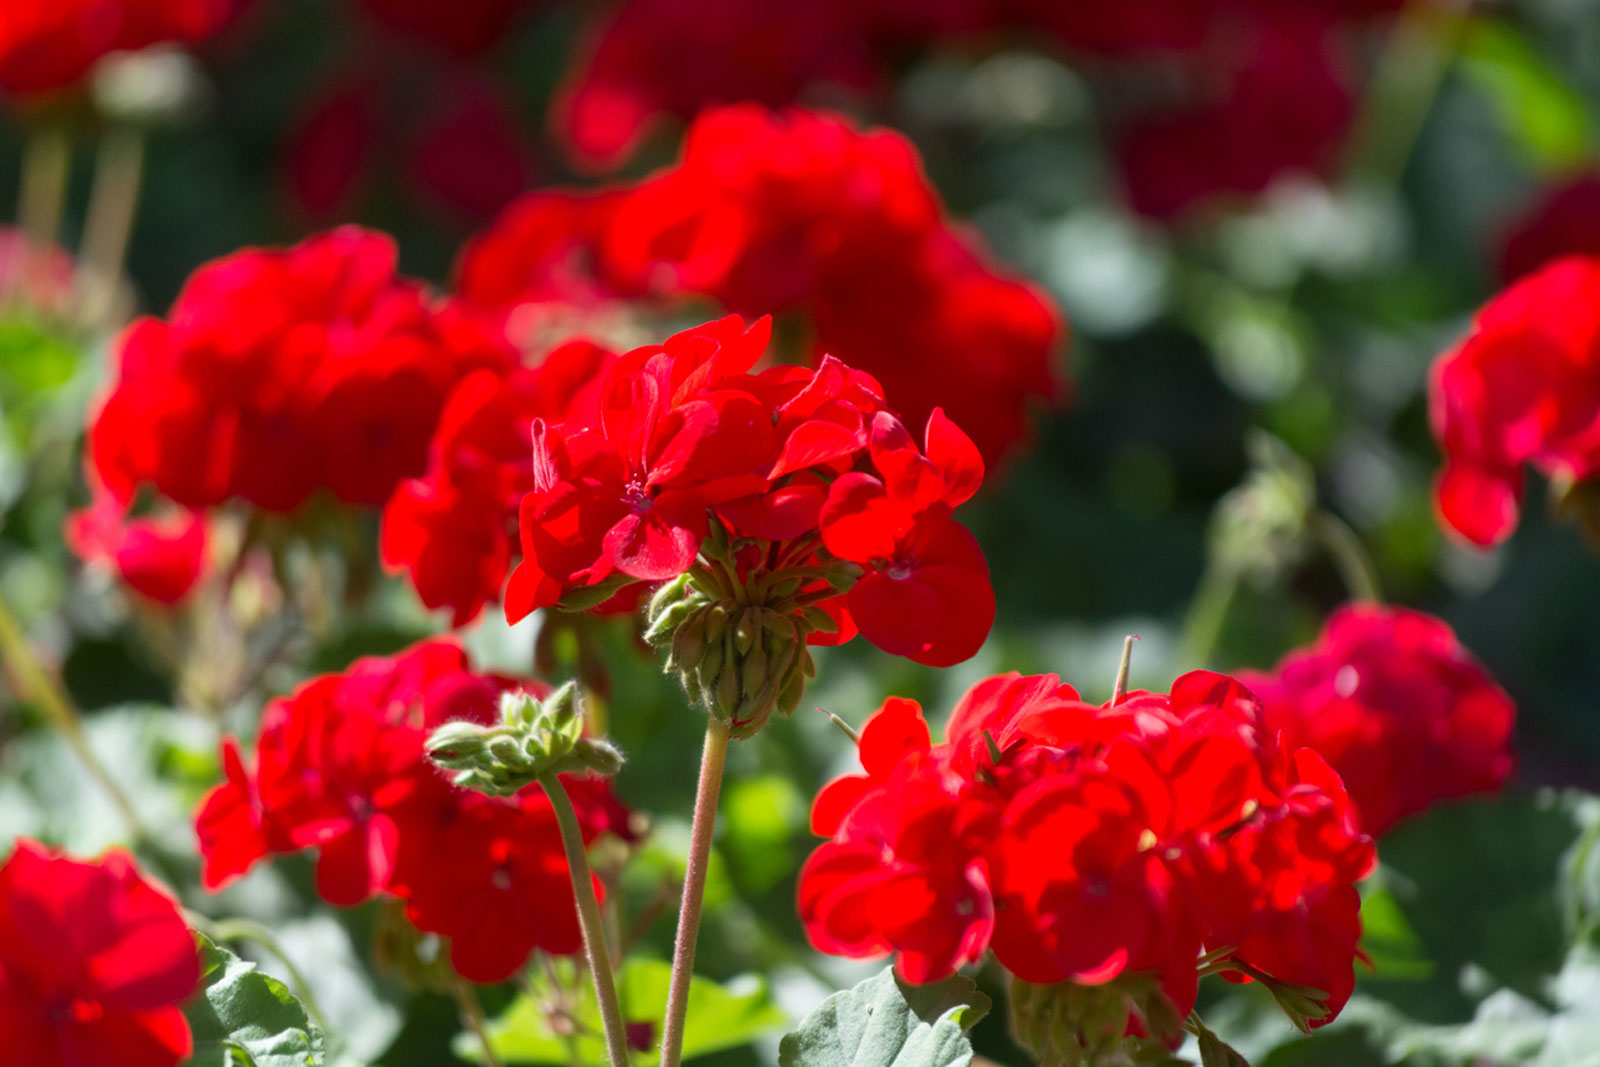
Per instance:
{"type": "Point", "coordinates": [161, 557]}
{"type": "Point", "coordinates": [46, 45]}
{"type": "Point", "coordinates": [1397, 706]}
{"type": "Point", "coordinates": [1522, 388]}
{"type": "Point", "coordinates": [339, 767]}
{"type": "Point", "coordinates": [94, 962]}
{"type": "Point", "coordinates": [278, 373]}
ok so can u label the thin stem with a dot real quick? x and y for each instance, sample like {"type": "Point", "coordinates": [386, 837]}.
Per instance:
{"type": "Point", "coordinates": [112, 203]}
{"type": "Point", "coordinates": [472, 1016]}
{"type": "Point", "coordinates": [1208, 614]}
{"type": "Point", "coordinates": [594, 937]}
{"type": "Point", "coordinates": [250, 930]}
{"type": "Point", "coordinates": [1349, 556]}
{"type": "Point", "coordinates": [46, 159]}
{"type": "Point", "coordinates": [849, 731]}
{"type": "Point", "coordinates": [35, 683]}
{"type": "Point", "coordinates": [712, 762]}
{"type": "Point", "coordinates": [1120, 690]}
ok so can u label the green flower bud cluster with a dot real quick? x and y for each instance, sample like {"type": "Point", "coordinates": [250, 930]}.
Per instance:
{"type": "Point", "coordinates": [1074, 1025]}
{"type": "Point", "coordinates": [533, 738]}
{"type": "Point", "coordinates": [741, 657]}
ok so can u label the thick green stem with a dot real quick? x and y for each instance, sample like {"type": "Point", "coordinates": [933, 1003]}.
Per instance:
{"type": "Point", "coordinates": [112, 203]}
{"type": "Point", "coordinates": [594, 937]}
{"type": "Point", "coordinates": [712, 762]}
{"type": "Point", "coordinates": [35, 683]}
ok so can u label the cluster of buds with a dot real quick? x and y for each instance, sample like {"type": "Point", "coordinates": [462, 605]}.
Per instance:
{"type": "Point", "coordinates": [740, 648]}
{"type": "Point", "coordinates": [1069, 1024]}
{"type": "Point", "coordinates": [532, 739]}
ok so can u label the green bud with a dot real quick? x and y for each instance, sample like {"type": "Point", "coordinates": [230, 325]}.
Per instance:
{"type": "Point", "coordinates": [669, 594]}
{"type": "Point", "coordinates": [592, 754]}
{"type": "Point", "coordinates": [746, 631]}
{"type": "Point", "coordinates": [753, 668]}
{"type": "Point", "coordinates": [716, 622]}
{"type": "Point", "coordinates": [689, 644]}
{"type": "Point", "coordinates": [794, 687]}
{"type": "Point", "coordinates": [668, 622]}
{"type": "Point", "coordinates": [726, 694]}
{"type": "Point", "coordinates": [808, 663]}
{"type": "Point", "coordinates": [817, 620]}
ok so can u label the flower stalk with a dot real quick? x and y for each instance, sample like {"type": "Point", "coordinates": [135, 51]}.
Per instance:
{"type": "Point", "coordinates": [712, 762]}
{"type": "Point", "coordinates": [594, 936]}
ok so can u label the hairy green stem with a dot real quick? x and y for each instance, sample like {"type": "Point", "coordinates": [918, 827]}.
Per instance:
{"type": "Point", "coordinates": [712, 762]}
{"type": "Point", "coordinates": [594, 937]}
{"type": "Point", "coordinates": [35, 683]}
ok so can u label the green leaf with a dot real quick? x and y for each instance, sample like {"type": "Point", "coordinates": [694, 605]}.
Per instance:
{"type": "Point", "coordinates": [1544, 114]}
{"type": "Point", "coordinates": [720, 1017]}
{"type": "Point", "coordinates": [884, 1023]}
{"type": "Point", "coordinates": [244, 1018]}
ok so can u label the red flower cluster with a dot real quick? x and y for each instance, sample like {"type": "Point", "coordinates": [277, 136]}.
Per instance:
{"type": "Point", "coordinates": [50, 44]}
{"type": "Point", "coordinates": [278, 373]}
{"type": "Point", "coordinates": [339, 767]}
{"type": "Point", "coordinates": [94, 962]}
{"type": "Point", "coordinates": [1239, 65]}
{"type": "Point", "coordinates": [1523, 387]}
{"type": "Point", "coordinates": [1397, 706]}
{"type": "Point", "coordinates": [796, 211]}
{"type": "Point", "coordinates": [453, 530]}
{"type": "Point", "coordinates": [808, 465]}
{"type": "Point", "coordinates": [1081, 842]}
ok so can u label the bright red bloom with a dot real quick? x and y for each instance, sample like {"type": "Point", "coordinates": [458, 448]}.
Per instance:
{"type": "Point", "coordinates": [803, 212]}
{"type": "Point", "coordinates": [160, 557]}
{"type": "Point", "coordinates": [1522, 388]}
{"type": "Point", "coordinates": [1080, 843]}
{"type": "Point", "coordinates": [278, 373]}
{"type": "Point", "coordinates": [808, 462]}
{"type": "Point", "coordinates": [47, 45]}
{"type": "Point", "coordinates": [927, 595]}
{"type": "Point", "coordinates": [629, 495]}
{"type": "Point", "coordinates": [94, 963]}
{"type": "Point", "coordinates": [1401, 710]}
{"type": "Point", "coordinates": [339, 767]}
{"type": "Point", "coordinates": [453, 530]}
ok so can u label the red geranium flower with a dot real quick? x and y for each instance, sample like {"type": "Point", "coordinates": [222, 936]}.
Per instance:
{"type": "Point", "coordinates": [1522, 388]}
{"type": "Point", "coordinates": [928, 595]}
{"type": "Point", "coordinates": [94, 962]}
{"type": "Point", "coordinates": [1401, 710]}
